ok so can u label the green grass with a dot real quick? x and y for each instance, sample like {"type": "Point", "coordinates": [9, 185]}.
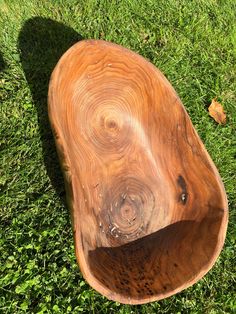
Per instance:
{"type": "Point", "coordinates": [194, 44]}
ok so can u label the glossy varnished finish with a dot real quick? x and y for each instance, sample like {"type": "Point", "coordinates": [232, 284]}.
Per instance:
{"type": "Point", "coordinates": [148, 207]}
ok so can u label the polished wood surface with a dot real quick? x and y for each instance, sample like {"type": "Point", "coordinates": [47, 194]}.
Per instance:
{"type": "Point", "coordinates": [148, 207]}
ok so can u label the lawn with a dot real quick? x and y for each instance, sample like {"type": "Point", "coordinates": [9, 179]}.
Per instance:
{"type": "Point", "coordinates": [194, 44]}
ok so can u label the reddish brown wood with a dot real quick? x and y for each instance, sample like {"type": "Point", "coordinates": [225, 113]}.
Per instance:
{"type": "Point", "coordinates": [149, 209]}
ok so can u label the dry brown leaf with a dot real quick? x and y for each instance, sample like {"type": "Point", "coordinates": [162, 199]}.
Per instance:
{"type": "Point", "coordinates": [216, 111]}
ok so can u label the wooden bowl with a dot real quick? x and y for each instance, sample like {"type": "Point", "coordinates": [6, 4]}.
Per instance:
{"type": "Point", "coordinates": [148, 207]}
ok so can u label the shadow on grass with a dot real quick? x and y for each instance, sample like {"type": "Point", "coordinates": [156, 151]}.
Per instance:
{"type": "Point", "coordinates": [41, 42]}
{"type": "Point", "coordinates": [2, 63]}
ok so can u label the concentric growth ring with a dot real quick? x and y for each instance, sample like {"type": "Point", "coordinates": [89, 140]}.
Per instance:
{"type": "Point", "coordinates": [127, 198]}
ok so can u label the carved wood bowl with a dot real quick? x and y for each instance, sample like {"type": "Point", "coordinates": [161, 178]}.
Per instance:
{"type": "Point", "coordinates": [148, 207]}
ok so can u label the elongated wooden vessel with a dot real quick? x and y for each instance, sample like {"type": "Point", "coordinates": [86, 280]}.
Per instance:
{"type": "Point", "coordinates": [148, 207]}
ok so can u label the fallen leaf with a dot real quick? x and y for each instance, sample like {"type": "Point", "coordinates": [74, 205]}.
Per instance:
{"type": "Point", "coordinates": [216, 111]}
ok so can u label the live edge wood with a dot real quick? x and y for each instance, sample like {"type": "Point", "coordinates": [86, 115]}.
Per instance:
{"type": "Point", "coordinates": [148, 207]}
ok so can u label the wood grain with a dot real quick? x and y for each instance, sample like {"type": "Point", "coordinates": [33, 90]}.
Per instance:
{"type": "Point", "coordinates": [148, 207]}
